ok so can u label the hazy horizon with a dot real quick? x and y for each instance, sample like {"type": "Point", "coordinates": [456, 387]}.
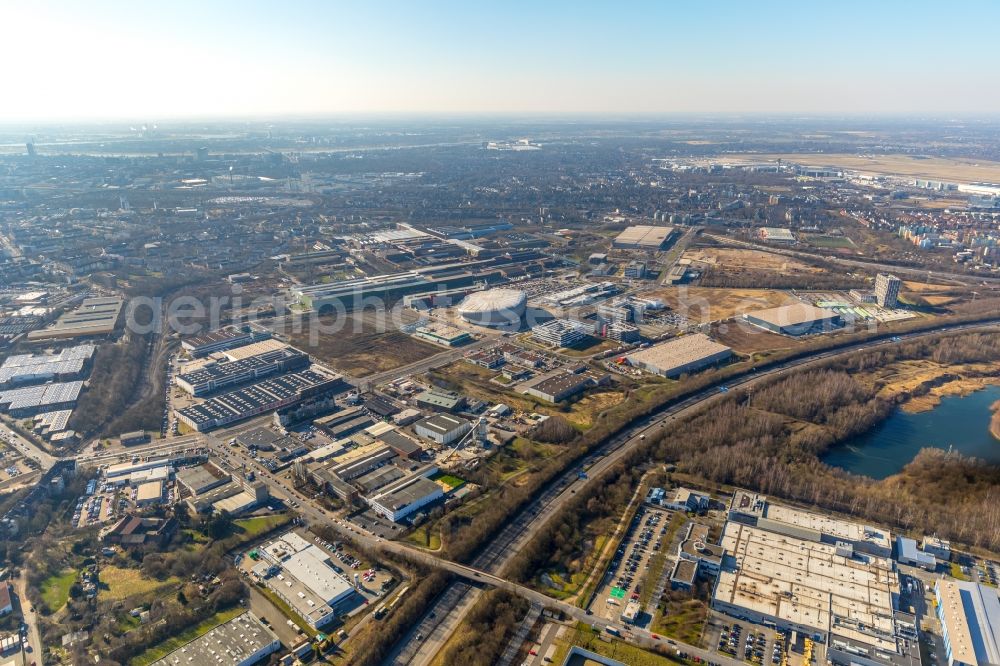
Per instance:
{"type": "Point", "coordinates": [109, 61]}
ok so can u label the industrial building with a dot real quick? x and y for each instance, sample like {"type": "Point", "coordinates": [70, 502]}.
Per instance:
{"type": "Point", "coordinates": [621, 332]}
{"type": "Point", "coordinates": [243, 641]}
{"type": "Point", "coordinates": [559, 333]}
{"type": "Point", "coordinates": [439, 334]}
{"type": "Point", "coordinates": [25, 369]}
{"type": "Point", "coordinates": [48, 424]}
{"type": "Point", "coordinates": [908, 553]}
{"type": "Point", "coordinates": [403, 499]}
{"type": "Point", "coordinates": [970, 622]}
{"type": "Point", "coordinates": [643, 237]}
{"type": "Point", "coordinates": [227, 338]}
{"type": "Point", "coordinates": [265, 396]}
{"type": "Point", "coordinates": [200, 479]}
{"type": "Point", "coordinates": [442, 428]}
{"type": "Point", "coordinates": [300, 573]}
{"type": "Point", "coordinates": [685, 499]}
{"type": "Point", "coordinates": [776, 235]}
{"type": "Point", "coordinates": [794, 320]}
{"type": "Point", "coordinates": [439, 400]}
{"type": "Point", "coordinates": [939, 548]}
{"type": "Point", "coordinates": [635, 270]}
{"type": "Point", "coordinates": [887, 290]}
{"type": "Point", "coordinates": [252, 349]}
{"type": "Point", "coordinates": [695, 547]}
{"type": "Point", "coordinates": [494, 307]}
{"type": "Point", "coordinates": [215, 376]}
{"type": "Point", "coordinates": [753, 509]}
{"type": "Point", "coordinates": [820, 590]}
{"type": "Point", "coordinates": [680, 356]}
{"type": "Point", "coordinates": [351, 293]}
{"type": "Point", "coordinates": [32, 400]}
{"type": "Point", "coordinates": [561, 385]}
{"type": "Point", "coordinates": [149, 493]}
{"type": "Point", "coordinates": [94, 317]}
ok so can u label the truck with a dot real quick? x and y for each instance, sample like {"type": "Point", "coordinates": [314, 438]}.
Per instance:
{"type": "Point", "coordinates": [614, 631]}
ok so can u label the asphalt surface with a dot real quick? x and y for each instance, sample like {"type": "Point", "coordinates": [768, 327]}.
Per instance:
{"type": "Point", "coordinates": [487, 567]}
{"type": "Point", "coordinates": [533, 517]}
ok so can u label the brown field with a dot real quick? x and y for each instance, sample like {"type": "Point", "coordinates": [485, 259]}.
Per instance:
{"type": "Point", "coordinates": [746, 339]}
{"type": "Point", "coordinates": [361, 351]}
{"type": "Point", "coordinates": [712, 304]}
{"type": "Point", "coordinates": [940, 168]}
{"type": "Point", "coordinates": [747, 259]}
{"type": "Point", "coordinates": [926, 286]}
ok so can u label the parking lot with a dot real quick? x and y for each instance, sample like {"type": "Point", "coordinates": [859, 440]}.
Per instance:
{"type": "Point", "coordinates": [97, 509]}
{"type": "Point", "coordinates": [627, 574]}
{"type": "Point", "coordinates": [761, 646]}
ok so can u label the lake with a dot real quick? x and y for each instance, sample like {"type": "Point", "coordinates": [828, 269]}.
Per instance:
{"type": "Point", "coordinates": [961, 422]}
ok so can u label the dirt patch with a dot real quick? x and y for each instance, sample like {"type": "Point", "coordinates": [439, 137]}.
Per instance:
{"type": "Point", "coordinates": [746, 339]}
{"type": "Point", "coordinates": [714, 304]}
{"type": "Point", "coordinates": [745, 259]}
{"type": "Point", "coordinates": [362, 350]}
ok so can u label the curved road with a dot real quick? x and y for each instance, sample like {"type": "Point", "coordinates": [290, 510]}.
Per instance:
{"type": "Point", "coordinates": [445, 615]}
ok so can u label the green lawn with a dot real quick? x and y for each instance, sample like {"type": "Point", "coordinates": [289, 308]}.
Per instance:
{"type": "Point", "coordinates": [449, 480]}
{"type": "Point", "coordinates": [829, 241]}
{"type": "Point", "coordinates": [425, 537]}
{"type": "Point", "coordinates": [175, 642]}
{"type": "Point", "coordinates": [55, 589]}
{"type": "Point", "coordinates": [684, 620]}
{"type": "Point", "coordinates": [254, 527]}
{"type": "Point", "coordinates": [588, 639]}
{"type": "Point", "coordinates": [117, 584]}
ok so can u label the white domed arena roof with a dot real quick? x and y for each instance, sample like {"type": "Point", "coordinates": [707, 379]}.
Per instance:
{"type": "Point", "coordinates": [493, 300]}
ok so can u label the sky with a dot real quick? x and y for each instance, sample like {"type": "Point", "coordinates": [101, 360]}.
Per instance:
{"type": "Point", "coordinates": [148, 61]}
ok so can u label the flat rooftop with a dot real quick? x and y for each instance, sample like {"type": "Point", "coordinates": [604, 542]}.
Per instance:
{"type": "Point", "coordinates": [796, 314]}
{"type": "Point", "coordinates": [835, 527]}
{"type": "Point", "coordinates": [808, 584]}
{"type": "Point", "coordinates": [643, 235]}
{"type": "Point", "coordinates": [94, 316]}
{"type": "Point", "coordinates": [407, 493]}
{"type": "Point", "coordinates": [229, 643]}
{"type": "Point", "coordinates": [254, 349]}
{"type": "Point", "coordinates": [310, 566]}
{"type": "Point", "coordinates": [563, 381]}
{"type": "Point", "coordinates": [442, 423]}
{"type": "Point", "coordinates": [972, 616]}
{"type": "Point", "coordinates": [680, 352]}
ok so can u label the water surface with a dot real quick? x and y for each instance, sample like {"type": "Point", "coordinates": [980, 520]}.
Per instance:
{"type": "Point", "coordinates": [960, 422]}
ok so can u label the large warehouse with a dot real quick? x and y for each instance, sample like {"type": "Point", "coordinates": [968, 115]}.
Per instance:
{"type": "Point", "coordinates": [795, 319]}
{"type": "Point", "coordinates": [680, 355]}
{"type": "Point", "coordinates": [494, 307]}
{"type": "Point", "coordinates": [406, 497]}
{"type": "Point", "coordinates": [643, 237]}
{"type": "Point", "coordinates": [970, 622]}
{"type": "Point", "coordinates": [820, 590]}
{"type": "Point", "coordinates": [245, 640]}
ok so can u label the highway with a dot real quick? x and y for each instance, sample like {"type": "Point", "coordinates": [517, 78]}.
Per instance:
{"type": "Point", "coordinates": [448, 610]}
{"type": "Point", "coordinates": [487, 567]}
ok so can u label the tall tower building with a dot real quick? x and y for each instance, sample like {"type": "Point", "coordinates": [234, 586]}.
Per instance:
{"type": "Point", "coordinates": [887, 290]}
